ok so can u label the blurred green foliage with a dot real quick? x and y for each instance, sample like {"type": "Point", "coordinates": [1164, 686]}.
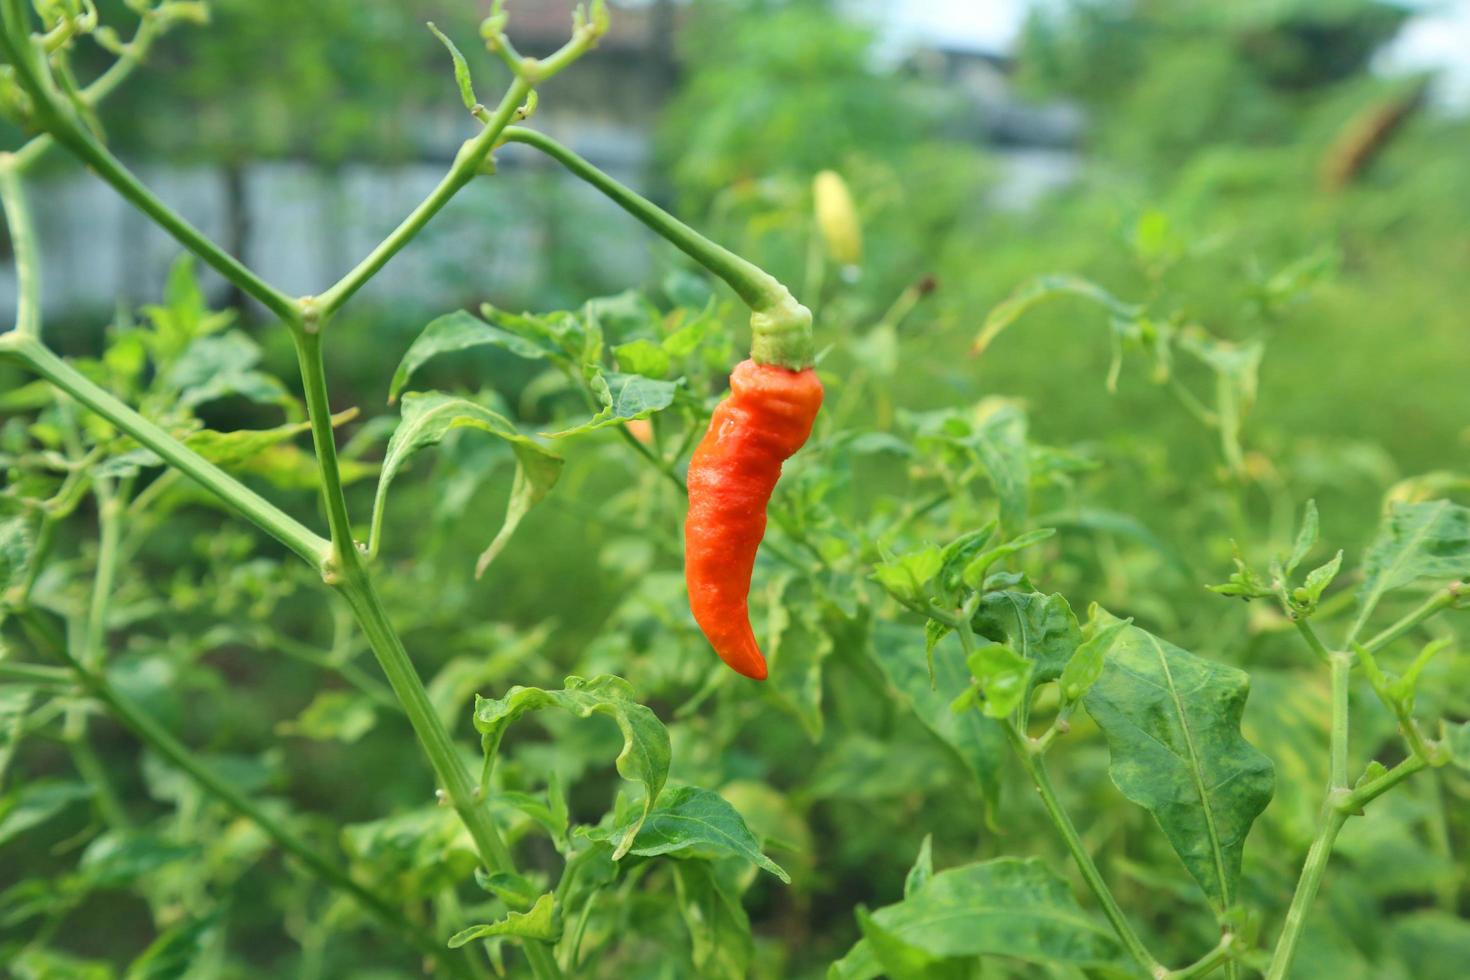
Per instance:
{"type": "Point", "coordinates": [1199, 203]}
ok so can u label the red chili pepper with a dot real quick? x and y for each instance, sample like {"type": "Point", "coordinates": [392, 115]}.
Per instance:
{"type": "Point", "coordinates": [764, 421]}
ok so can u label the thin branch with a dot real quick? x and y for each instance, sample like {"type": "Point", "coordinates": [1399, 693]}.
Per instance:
{"type": "Point", "coordinates": [466, 164]}
{"type": "Point", "coordinates": [59, 118]}
{"type": "Point", "coordinates": [1036, 768]}
{"type": "Point", "coordinates": [32, 354]}
{"type": "Point", "coordinates": [150, 28]}
{"type": "Point", "coordinates": [1341, 666]}
{"type": "Point", "coordinates": [23, 244]}
{"type": "Point", "coordinates": [1439, 601]}
{"type": "Point", "coordinates": [142, 724]}
{"type": "Point", "coordinates": [755, 286]}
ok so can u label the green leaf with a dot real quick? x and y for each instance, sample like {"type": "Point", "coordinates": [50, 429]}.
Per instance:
{"type": "Point", "coordinates": [797, 647]}
{"type": "Point", "coordinates": [975, 572]}
{"type": "Point", "coordinates": [922, 870]}
{"type": "Point", "coordinates": [978, 742]}
{"type": "Point", "coordinates": [958, 554]}
{"type": "Point", "coordinates": [719, 930]}
{"type": "Point", "coordinates": [228, 449]}
{"type": "Point", "coordinates": [907, 575]}
{"type": "Point", "coordinates": [36, 802]}
{"type": "Point", "coordinates": [692, 335]}
{"type": "Point", "coordinates": [645, 756]}
{"type": "Point", "coordinates": [420, 851]}
{"type": "Point", "coordinates": [1003, 675]}
{"type": "Point", "coordinates": [33, 963]}
{"type": "Point", "coordinates": [1086, 665]}
{"type": "Point", "coordinates": [184, 315]}
{"type": "Point", "coordinates": [1237, 372]}
{"type": "Point", "coordinates": [16, 542]}
{"type": "Point", "coordinates": [1431, 943]}
{"type": "Point", "coordinates": [430, 416]}
{"type": "Point", "coordinates": [900, 960]}
{"type": "Point", "coordinates": [15, 702]}
{"type": "Point", "coordinates": [542, 923]}
{"type": "Point", "coordinates": [698, 823]}
{"type": "Point", "coordinates": [115, 859]}
{"type": "Point", "coordinates": [459, 330]}
{"type": "Point", "coordinates": [1041, 628]}
{"type": "Point", "coordinates": [623, 313]}
{"type": "Point", "coordinates": [217, 367]}
{"type": "Point", "coordinates": [342, 716]}
{"type": "Point", "coordinates": [643, 357]}
{"type": "Point", "coordinates": [624, 397]}
{"type": "Point", "coordinates": [1000, 442]}
{"type": "Point", "coordinates": [1172, 721]}
{"type": "Point", "coordinates": [1245, 582]}
{"type": "Point", "coordinates": [175, 952]}
{"type": "Point", "coordinates": [1316, 582]}
{"type": "Point", "coordinates": [1306, 538]}
{"type": "Point", "coordinates": [1004, 907]}
{"type": "Point", "coordinates": [538, 809]}
{"type": "Point", "coordinates": [461, 69]}
{"type": "Point", "coordinates": [512, 889]}
{"type": "Point", "coordinates": [934, 631]}
{"type": "Point", "coordinates": [1031, 293]}
{"type": "Point", "coordinates": [1416, 541]}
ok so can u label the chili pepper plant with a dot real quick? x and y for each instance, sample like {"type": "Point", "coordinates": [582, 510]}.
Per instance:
{"type": "Point", "coordinates": [944, 640]}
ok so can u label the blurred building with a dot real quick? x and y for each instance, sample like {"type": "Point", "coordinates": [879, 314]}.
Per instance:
{"type": "Point", "coordinates": [301, 223]}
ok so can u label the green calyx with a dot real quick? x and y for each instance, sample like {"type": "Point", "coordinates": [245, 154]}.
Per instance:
{"type": "Point", "coordinates": [781, 333]}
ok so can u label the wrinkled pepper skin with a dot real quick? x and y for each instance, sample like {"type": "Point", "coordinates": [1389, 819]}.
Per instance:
{"type": "Point", "coordinates": [764, 421]}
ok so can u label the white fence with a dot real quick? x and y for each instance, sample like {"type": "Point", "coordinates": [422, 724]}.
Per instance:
{"type": "Point", "coordinates": [302, 226]}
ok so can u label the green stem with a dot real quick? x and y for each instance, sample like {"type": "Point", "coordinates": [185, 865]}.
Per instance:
{"type": "Point", "coordinates": [466, 164]}
{"type": "Point", "coordinates": [666, 469]}
{"type": "Point", "coordinates": [1306, 893]}
{"type": "Point", "coordinates": [754, 286]}
{"type": "Point", "coordinates": [1341, 804]}
{"type": "Point", "coordinates": [654, 460]}
{"type": "Point", "coordinates": [45, 539]}
{"type": "Point", "coordinates": [1206, 964]}
{"type": "Point", "coordinates": [1313, 640]}
{"type": "Point", "coordinates": [34, 674]}
{"type": "Point", "coordinates": [23, 244]}
{"type": "Point", "coordinates": [93, 648]}
{"type": "Point", "coordinates": [1368, 792]}
{"type": "Point", "coordinates": [348, 573]}
{"type": "Point", "coordinates": [156, 737]}
{"type": "Point", "coordinates": [110, 506]}
{"type": "Point", "coordinates": [85, 146]}
{"type": "Point", "coordinates": [1341, 666]}
{"type": "Point", "coordinates": [443, 756]}
{"type": "Point", "coordinates": [1036, 768]}
{"type": "Point", "coordinates": [149, 28]}
{"type": "Point", "coordinates": [34, 355]}
{"type": "Point", "coordinates": [93, 772]}
{"type": "Point", "coordinates": [1441, 600]}
{"type": "Point", "coordinates": [59, 118]}
{"type": "Point", "coordinates": [1321, 850]}
{"type": "Point", "coordinates": [781, 326]}
{"type": "Point", "coordinates": [324, 438]}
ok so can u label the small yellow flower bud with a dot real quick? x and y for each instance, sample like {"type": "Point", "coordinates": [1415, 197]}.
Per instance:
{"type": "Point", "coordinates": [837, 218]}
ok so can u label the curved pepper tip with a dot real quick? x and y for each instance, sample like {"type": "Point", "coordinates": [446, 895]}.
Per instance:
{"type": "Point", "coordinates": [754, 669]}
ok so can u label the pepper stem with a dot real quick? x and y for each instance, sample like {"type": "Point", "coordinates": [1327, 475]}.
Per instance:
{"type": "Point", "coordinates": [781, 327]}
{"type": "Point", "coordinates": [781, 333]}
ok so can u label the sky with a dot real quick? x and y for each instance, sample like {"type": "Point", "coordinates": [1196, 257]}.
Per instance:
{"type": "Point", "coordinates": [1437, 38]}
